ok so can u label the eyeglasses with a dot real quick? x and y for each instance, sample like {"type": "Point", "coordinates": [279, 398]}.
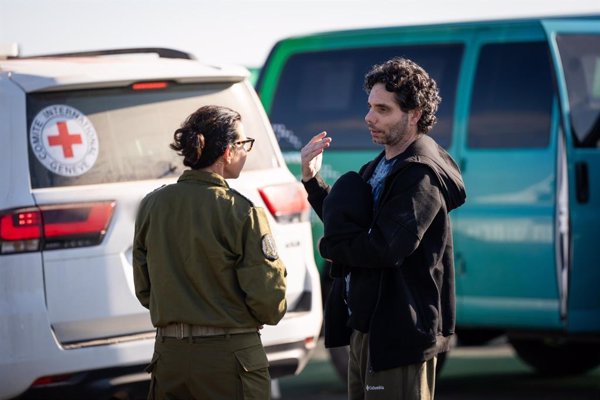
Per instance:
{"type": "Point", "coordinates": [245, 144]}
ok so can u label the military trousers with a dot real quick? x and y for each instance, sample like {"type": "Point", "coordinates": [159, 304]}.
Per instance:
{"type": "Point", "coordinates": [409, 382]}
{"type": "Point", "coordinates": [226, 367]}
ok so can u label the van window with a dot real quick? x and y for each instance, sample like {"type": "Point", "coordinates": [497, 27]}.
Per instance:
{"type": "Point", "coordinates": [580, 56]}
{"type": "Point", "coordinates": [511, 105]}
{"type": "Point", "coordinates": [324, 91]}
{"type": "Point", "coordinates": [133, 130]}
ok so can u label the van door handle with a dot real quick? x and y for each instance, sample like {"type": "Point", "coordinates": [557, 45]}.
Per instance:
{"type": "Point", "coordinates": [582, 185]}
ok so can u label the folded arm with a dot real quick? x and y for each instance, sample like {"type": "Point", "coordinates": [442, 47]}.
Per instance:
{"type": "Point", "coordinates": [404, 216]}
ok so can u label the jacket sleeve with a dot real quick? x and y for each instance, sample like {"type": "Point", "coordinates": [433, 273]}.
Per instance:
{"type": "Point", "coordinates": [317, 190]}
{"type": "Point", "coordinates": [141, 278]}
{"type": "Point", "coordinates": [403, 217]}
{"type": "Point", "coordinates": [261, 273]}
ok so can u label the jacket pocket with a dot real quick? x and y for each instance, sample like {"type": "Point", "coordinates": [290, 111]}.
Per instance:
{"type": "Point", "coordinates": [335, 318]}
{"type": "Point", "coordinates": [254, 373]}
{"type": "Point", "coordinates": [421, 318]}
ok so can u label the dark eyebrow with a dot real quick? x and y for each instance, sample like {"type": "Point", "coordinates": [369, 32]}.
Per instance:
{"type": "Point", "coordinates": [377, 104]}
{"type": "Point", "coordinates": [381, 105]}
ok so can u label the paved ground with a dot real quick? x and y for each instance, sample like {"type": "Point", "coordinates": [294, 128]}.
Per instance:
{"type": "Point", "coordinates": [471, 373]}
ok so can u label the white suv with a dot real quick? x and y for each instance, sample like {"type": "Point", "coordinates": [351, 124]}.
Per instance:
{"type": "Point", "coordinates": [83, 138]}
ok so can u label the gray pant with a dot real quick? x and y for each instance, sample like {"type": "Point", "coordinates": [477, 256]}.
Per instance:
{"type": "Point", "coordinates": [410, 382]}
{"type": "Point", "coordinates": [228, 367]}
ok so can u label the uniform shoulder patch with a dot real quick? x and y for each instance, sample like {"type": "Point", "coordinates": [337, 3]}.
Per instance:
{"type": "Point", "coordinates": [268, 247]}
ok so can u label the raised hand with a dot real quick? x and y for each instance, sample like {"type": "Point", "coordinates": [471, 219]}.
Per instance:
{"type": "Point", "coordinates": [312, 155]}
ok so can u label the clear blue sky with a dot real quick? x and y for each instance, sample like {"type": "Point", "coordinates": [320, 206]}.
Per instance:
{"type": "Point", "coordinates": [232, 31]}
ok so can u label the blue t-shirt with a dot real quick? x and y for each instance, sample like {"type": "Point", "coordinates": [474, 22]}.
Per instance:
{"type": "Point", "coordinates": [384, 167]}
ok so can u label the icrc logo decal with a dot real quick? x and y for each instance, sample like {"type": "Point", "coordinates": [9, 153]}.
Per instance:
{"type": "Point", "coordinates": [64, 140]}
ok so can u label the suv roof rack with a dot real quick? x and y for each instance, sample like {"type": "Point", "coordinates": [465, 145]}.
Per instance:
{"type": "Point", "coordinates": [160, 51]}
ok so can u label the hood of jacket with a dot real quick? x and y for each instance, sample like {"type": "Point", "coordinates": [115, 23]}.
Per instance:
{"type": "Point", "coordinates": [426, 151]}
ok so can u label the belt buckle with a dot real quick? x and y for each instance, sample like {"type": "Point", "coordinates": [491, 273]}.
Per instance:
{"type": "Point", "coordinates": [180, 329]}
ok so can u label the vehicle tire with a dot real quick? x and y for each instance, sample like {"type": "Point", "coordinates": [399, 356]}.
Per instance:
{"type": "Point", "coordinates": [476, 337]}
{"type": "Point", "coordinates": [557, 357]}
{"type": "Point", "coordinates": [339, 359]}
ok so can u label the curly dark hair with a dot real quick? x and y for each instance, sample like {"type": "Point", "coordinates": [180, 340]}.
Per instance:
{"type": "Point", "coordinates": [412, 86]}
{"type": "Point", "coordinates": [205, 135]}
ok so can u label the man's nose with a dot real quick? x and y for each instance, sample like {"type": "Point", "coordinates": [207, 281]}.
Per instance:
{"type": "Point", "coordinates": [369, 117]}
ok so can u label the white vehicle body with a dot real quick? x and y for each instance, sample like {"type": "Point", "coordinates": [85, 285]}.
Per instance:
{"type": "Point", "coordinates": [67, 303]}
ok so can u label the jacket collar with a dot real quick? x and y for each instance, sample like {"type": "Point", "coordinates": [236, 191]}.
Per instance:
{"type": "Point", "coordinates": [203, 176]}
{"type": "Point", "coordinates": [422, 146]}
{"type": "Point", "coordinates": [426, 151]}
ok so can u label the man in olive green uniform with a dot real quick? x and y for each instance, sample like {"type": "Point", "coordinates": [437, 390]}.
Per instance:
{"type": "Point", "coordinates": [206, 266]}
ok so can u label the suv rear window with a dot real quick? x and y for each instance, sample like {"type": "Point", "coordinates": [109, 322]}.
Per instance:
{"type": "Point", "coordinates": [126, 132]}
{"type": "Point", "coordinates": [324, 91]}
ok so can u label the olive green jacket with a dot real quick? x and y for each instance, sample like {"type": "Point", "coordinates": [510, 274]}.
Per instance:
{"type": "Point", "coordinates": [204, 255]}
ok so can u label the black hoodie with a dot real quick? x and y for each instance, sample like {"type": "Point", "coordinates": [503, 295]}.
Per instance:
{"type": "Point", "coordinates": [401, 264]}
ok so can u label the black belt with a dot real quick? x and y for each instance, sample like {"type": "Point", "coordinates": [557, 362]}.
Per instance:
{"type": "Point", "coordinates": [181, 330]}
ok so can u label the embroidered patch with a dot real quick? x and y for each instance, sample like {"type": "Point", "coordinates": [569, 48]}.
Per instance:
{"type": "Point", "coordinates": [268, 247]}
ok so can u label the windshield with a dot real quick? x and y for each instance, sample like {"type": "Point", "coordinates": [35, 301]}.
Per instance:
{"type": "Point", "coordinates": [580, 56]}
{"type": "Point", "coordinates": [119, 134]}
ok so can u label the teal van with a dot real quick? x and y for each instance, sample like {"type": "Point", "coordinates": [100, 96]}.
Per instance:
{"type": "Point", "coordinates": [520, 113]}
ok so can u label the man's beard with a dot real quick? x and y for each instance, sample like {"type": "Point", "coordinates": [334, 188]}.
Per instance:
{"type": "Point", "coordinates": [395, 135]}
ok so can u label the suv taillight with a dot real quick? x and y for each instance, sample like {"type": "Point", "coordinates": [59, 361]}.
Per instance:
{"type": "Point", "coordinates": [286, 202]}
{"type": "Point", "coordinates": [54, 226]}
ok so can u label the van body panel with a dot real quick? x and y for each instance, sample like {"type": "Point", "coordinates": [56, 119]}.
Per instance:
{"type": "Point", "coordinates": [504, 234]}
{"type": "Point", "coordinates": [516, 248]}
{"type": "Point", "coordinates": [575, 48]}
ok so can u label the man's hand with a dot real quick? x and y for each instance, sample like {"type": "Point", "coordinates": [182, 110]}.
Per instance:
{"type": "Point", "coordinates": [312, 155]}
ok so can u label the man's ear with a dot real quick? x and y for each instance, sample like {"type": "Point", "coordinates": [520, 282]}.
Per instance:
{"type": "Point", "coordinates": [227, 155]}
{"type": "Point", "coordinates": [414, 116]}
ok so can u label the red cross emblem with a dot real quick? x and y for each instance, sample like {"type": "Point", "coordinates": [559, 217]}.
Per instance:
{"type": "Point", "coordinates": [65, 139]}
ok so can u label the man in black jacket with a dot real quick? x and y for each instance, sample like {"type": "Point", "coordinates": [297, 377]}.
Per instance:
{"type": "Point", "coordinates": [393, 296]}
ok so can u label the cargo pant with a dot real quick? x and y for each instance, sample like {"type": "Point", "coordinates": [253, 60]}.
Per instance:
{"type": "Point", "coordinates": [409, 382]}
{"type": "Point", "coordinates": [227, 367]}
